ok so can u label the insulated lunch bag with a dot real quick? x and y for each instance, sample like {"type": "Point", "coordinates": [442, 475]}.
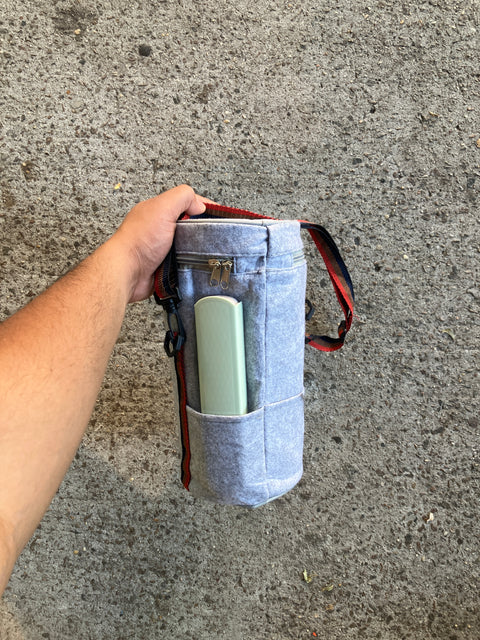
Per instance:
{"type": "Point", "coordinates": [253, 458]}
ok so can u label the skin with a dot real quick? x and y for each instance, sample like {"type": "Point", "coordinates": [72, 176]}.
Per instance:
{"type": "Point", "coordinates": [53, 356]}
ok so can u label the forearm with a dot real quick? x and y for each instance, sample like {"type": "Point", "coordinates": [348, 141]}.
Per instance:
{"type": "Point", "coordinates": [58, 346]}
{"type": "Point", "coordinates": [53, 354]}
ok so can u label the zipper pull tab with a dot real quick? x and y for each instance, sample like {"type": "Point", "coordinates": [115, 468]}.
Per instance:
{"type": "Point", "coordinates": [226, 270]}
{"type": "Point", "coordinates": [216, 267]}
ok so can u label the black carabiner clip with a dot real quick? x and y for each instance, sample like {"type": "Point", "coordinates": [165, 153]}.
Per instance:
{"type": "Point", "coordinates": [175, 336]}
{"type": "Point", "coordinates": [311, 310]}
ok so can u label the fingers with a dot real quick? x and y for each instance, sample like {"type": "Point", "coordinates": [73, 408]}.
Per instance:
{"type": "Point", "coordinates": [193, 203]}
{"type": "Point", "coordinates": [207, 200]}
{"type": "Point", "coordinates": [177, 201]}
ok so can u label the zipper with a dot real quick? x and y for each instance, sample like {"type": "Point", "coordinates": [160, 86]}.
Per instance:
{"type": "Point", "coordinates": [219, 268]}
{"type": "Point", "coordinates": [216, 268]}
{"type": "Point", "coordinates": [225, 274]}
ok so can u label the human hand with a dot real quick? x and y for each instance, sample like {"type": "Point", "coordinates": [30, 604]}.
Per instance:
{"type": "Point", "coordinates": [146, 234]}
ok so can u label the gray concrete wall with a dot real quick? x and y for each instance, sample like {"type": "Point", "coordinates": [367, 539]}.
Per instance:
{"type": "Point", "coordinates": [363, 117]}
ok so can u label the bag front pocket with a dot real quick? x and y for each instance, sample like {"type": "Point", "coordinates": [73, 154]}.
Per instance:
{"type": "Point", "coordinates": [227, 457]}
{"type": "Point", "coordinates": [246, 460]}
{"type": "Point", "coordinates": [284, 428]}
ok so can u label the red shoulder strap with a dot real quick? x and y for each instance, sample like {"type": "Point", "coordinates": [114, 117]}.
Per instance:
{"type": "Point", "coordinates": [342, 285]}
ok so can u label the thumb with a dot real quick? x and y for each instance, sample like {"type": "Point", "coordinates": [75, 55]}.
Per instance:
{"type": "Point", "coordinates": [181, 199]}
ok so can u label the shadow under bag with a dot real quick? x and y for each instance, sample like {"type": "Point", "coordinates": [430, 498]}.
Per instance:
{"type": "Point", "coordinates": [253, 458]}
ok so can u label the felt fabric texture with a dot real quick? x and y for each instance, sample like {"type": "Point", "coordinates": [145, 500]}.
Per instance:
{"type": "Point", "coordinates": [248, 460]}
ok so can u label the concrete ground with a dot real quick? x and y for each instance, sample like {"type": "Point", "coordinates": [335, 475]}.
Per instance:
{"type": "Point", "coordinates": [364, 117]}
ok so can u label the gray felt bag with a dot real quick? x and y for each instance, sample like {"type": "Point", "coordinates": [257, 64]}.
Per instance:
{"type": "Point", "coordinates": [254, 458]}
